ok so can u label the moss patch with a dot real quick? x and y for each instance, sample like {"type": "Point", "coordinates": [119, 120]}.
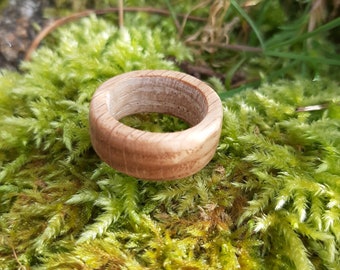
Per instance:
{"type": "Point", "coordinates": [270, 198]}
{"type": "Point", "coordinates": [155, 122]}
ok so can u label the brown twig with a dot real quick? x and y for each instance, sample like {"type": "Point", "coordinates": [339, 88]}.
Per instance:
{"type": "Point", "coordinates": [121, 14]}
{"type": "Point", "coordinates": [316, 107]}
{"type": "Point", "coordinates": [200, 71]}
{"type": "Point", "coordinates": [59, 22]}
{"type": "Point", "coordinates": [21, 266]}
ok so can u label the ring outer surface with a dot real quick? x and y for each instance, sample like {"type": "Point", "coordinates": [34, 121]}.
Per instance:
{"type": "Point", "coordinates": [151, 155]}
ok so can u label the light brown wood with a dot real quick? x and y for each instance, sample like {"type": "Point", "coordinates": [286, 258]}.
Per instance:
{"type": "Point", "coordinates": [151, 155]}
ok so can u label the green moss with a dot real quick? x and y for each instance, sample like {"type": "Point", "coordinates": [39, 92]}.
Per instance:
{"type": "Point", "coordinates": [155, 122]}
{"type": "Point", "coordinates": [270, 198]}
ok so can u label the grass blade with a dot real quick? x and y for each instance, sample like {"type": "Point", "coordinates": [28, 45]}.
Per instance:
{"type": "Point", "coordinates": [303, 57]}
{"type": "Point", "coordinates": [323, 28]}
{"type": "Point", "coordinates": [250, 21]}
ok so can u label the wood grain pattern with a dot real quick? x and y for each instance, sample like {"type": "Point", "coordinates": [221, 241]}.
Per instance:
{"type": "Point", "coordinates": [149, 155]}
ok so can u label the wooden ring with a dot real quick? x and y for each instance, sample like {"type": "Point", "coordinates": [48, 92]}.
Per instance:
{"type": "Point", "coordinates": [152, 155]}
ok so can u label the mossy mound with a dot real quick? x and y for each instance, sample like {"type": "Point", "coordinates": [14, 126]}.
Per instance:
{"type": "Point", "coordinates": [270, 198]}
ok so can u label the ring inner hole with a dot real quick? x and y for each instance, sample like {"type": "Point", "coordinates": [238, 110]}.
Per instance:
{"type": "Point", "coordinates": [159, 99]}
{"type": "Point", "coordinates": [155, 122]}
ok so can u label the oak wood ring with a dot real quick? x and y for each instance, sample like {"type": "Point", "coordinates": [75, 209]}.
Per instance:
{"type": "Point", "coordinates": [152, 155]}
